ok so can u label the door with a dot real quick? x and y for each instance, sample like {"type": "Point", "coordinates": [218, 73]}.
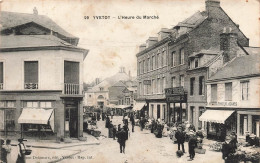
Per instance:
{"type": "Point", "coordinates": [71, 114]}
{"type": "Point", "coordinates": [158, 111]}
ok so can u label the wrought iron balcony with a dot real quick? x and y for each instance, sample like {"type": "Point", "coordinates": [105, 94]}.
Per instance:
{"type": "Point", "coordinates": [30, 85]}
{"type": "Point", "coordinates": [71, 89]}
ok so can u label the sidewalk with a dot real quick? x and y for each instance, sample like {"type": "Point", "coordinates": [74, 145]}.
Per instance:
{"type": "Point", "coordinates": [52, 144]}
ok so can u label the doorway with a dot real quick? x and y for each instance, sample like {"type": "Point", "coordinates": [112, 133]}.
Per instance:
{"type": "Point", "coordinates": [158, 111]}
{"type": "Point", "coordinates": [71, 118]}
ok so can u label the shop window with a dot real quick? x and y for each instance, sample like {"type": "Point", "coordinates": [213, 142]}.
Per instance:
{"type": "Point", "coordinates": [214, 93]}
{"type": "Point", "coordinates": [45, 104]}
{"type": "Point", "coordinates": [192, 82]}
{"type": "Point", "coordinates": [201, 85]}
{"type": "Point", "coordinates": [245, 90]}
{"type": "Point", "coordinates": [228, 91]}
{"type": "Point", "coordinates": [7, 119]}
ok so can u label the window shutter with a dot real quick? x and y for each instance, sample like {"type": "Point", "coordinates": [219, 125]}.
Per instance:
{"type": "Point", "coordinates": [31, 72]}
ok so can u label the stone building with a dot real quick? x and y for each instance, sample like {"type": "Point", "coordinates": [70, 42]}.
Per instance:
{"type": "Point", "coordinates": [41, 78]}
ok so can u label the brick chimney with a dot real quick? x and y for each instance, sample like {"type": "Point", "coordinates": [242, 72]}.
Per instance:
{"type": "Point", "coordinates": [211, 5]}
{"type": "Point", "coordinates": [228, 43]}
{"type": "Point", "coordinates": [151, 41]}
{"type": "Point", "coordinates": [142, 47]}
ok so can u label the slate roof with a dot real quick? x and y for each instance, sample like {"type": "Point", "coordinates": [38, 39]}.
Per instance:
{"type": "Point", "coordinates": [239, 67]}
{"type": "Point", "coordinates": [193, 20]}
{"type": "Point", "coordinates": [16, 41]}
{"type": "Point", "coordinates": [13, 19]}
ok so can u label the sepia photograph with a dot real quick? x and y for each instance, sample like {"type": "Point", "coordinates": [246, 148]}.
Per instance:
{"type": "Point", "coordinates": [130, 81]}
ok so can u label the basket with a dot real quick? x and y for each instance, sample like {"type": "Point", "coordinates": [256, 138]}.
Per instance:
{"type": "Point", "coordinates": [27, 151]}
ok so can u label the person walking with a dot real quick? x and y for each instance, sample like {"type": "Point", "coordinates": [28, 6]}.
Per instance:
{"type": "Point", "coordinates": [126, 129]}
{"type": "Point", "coordinates": [142, 123]}
{"type": "Point", "coordinates": [121, 135]}
{"type": "Point", "coordinates": [180, 136]}
{"type": "Point", "coordinates": [8, 148]}
{"type": "Point", "coordinates": [114, 132]}
{"type": "Point", "coordinates": [132, 119]}
{"type": "Point", "coordinates": [192, 144]}
{"type": "Point", "coordinates": [21, 153]}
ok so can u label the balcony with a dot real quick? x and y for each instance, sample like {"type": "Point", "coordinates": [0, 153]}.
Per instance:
{"type": "Point", "coordinates": [71, 89]}
{"type": "Point", "coordinates": [1, 86]}
{"type": "Point", "coordinates": [30, 85]}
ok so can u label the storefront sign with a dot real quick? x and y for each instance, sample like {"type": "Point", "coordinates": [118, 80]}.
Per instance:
{"type": "Point", "coordinates": [174, 91]}
{"type": "Point", "coordinates": [180, 98]}
{"type": "Point", "coordinates": [147, 82]}
{"type": "Point", "coordinates": [223, 103]}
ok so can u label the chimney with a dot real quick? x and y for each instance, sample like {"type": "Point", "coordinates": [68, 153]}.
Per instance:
{"type": "Point", "coordinates": [151, 41]}
{"type": "Point", "coordinates": [228, 43]}
{"type": "Point", "coordinates": [210, 5]}
{"type": "Point", "coordinates": [35, 11]}
{"type": "Point", "coordinates": [97, 81]}
{"type": "Point", "coordinates": [142, 47]}
{"type": "Point", "coordinates": [164, 32]}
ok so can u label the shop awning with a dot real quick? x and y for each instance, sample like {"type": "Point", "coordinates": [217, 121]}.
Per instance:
{"type": "Point", "coordinates": [122, 106]}
{"type": "Point", "coordinates": [139, 105]}
{"type": "Point", "coordinates": [35, 116]}
{"type": "Point", "coordinates": [216, 116]}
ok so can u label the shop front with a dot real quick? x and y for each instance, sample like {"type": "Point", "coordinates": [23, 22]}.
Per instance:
{"type": "Point", "coordinates": [219, 123]}
{"type": "Point", "coordinates": [176, 99]}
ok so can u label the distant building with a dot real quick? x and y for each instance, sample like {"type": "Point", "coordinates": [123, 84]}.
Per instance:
{"type": "Point", "coordinates": [98, 95]}
{"type": "Point", "coordinates": [41, 77]}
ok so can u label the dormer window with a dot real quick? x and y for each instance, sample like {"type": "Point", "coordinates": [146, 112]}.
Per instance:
{"type": "Point", "coordinates": [196, 62]}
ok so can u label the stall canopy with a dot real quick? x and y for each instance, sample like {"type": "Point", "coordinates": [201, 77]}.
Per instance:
{"type": "Point", "coordinates": [216, 116]}
{"type": "Point", "coordinates": [36, 116]}
{"type": "Point", "coordinates": [139, 105]}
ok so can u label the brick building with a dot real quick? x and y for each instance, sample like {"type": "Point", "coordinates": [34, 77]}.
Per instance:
{"type": "Point", "coordinates": [41, 78]}
{"type": "Point", "coordinates": [196, 35]}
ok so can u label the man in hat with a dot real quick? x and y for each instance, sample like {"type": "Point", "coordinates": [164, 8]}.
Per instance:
{"type": "Point", "coordinates": [121, 135]}
{"type": "Point", "coordinates": [21, 154]}
{"type": "Point", "coordinates": [192, 144]}
{"type": "Point", "coordinates": [180, 136]}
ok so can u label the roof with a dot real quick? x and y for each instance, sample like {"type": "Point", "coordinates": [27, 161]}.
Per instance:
{"type": "Point", "coordinates": [193, 20]}
{"type": "Point", "coordinates": [13, 19]}
{"type": "Point", "coordinates": [235, 70]}
{"type": "Point", "coordinates": [252, 50]}
{"type": "Point", "coordinates": [210, 51]}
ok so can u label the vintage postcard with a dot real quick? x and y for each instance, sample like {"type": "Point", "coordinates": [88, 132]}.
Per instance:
{"type": "Point", "coordinates": [129, 81]}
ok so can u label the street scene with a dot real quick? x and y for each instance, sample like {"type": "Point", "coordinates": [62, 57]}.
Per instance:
{"type": "Point", "coordinates": [129, 81]}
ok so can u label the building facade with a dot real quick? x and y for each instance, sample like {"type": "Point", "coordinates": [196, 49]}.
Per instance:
{"type": "Point", "coordinates": [199, 33]}
{"type": "Point", "coordinates": [41, 79]}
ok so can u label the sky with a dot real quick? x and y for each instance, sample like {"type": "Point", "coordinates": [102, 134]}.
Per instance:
{"type": "Point", "coordinates": [114, 42]}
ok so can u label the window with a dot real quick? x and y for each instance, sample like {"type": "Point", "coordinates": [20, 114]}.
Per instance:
{"type": "Point", "coordinates": [31, 104]}
{"type": "Point", "coordinates": [173, 59]}
{"type": "Point", "coordinates": [163, 84]}
{"type": "Point", "coordinates": [201, 85]}
{"type": "Point", "coordinates": [182, 80]}
{"type": "Point", "coordinates": [173, 82]}
{"type": "Point", "coordinates": [140, 88]}
{"type": "Point", "coordinates": [31, 75]}
{"type": "Point", "coordinates": [182, 56]}
{"type": "Point", "coordinates": [201, 110]}
{"type": "Point", "coordinates": [143, 66]}
{"type": "Point", "coordinates": [148, 64]}
{"type": "Point", "coordinates": [158, 61]}
{"type": "Point", "coordinates": [163, 58]}
{"type": "Point", "coordinates": [158, 85]}
{"type": "Point", "coordinates": [45, 104]}
{"type": "Point", "coordinates": [196, 62]}
{"type": "Point", "coordinates": [245, 90]}
{"type": "Point", "coordinates": [71, 77]}
{"type": "Point", "coordinates": [153, 62]}
{"type": "Point", "coordinates": [1, 75]}
{"type": "Point", "coordinates": [7, 116]}
{"type": "Point", "coordinates": [152, 108]}
{"type": "Point", "coordinates": [101, 88]}
{"type": "Point", "coordinates": [228, 91]}
{"type": "Point", "coordinates": [214, 93]}
{"type": "Point", "coordinates": [154, 86]}
{"type": "Point", "coordinates": [192, 81]}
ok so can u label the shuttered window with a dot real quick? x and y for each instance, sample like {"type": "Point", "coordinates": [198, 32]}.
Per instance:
{"type": "Point", "coordinates": [71, 72]}
{"type": "Point", "coordinates": [31, 72]}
